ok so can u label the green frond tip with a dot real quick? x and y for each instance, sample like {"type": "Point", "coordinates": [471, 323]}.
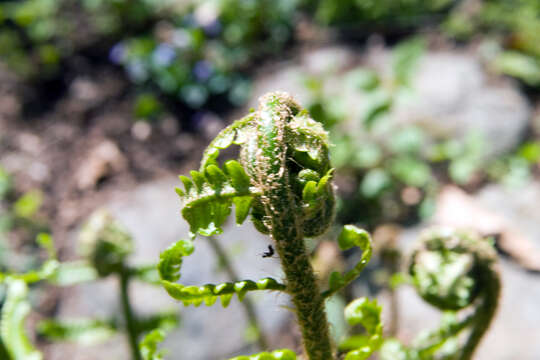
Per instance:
{"type": "Point", "coordinates": [46, 241]}
{"type": "Point", "coordinates": [170, 260]}
{"type": "Point", "coordinates": [283, 354]}
{"type": "Point", "coordinates": [209, 194]}
{"type": "Point", "coordinates": [209, 293]}
{"type": "Point", "coordinates": [232, 134]}
{"type": "Point", "coordinates": [349, 237]}
{"type": "Point", "coordinates": [12, 331]}
{"type": "Point", "coordinates": [368, 314]}
{"type": "Point", "coordinates": [149, 345]}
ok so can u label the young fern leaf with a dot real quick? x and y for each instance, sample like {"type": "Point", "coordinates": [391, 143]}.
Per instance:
{"type": "Point", "coordinates": [14, 312]}
{"type": "Point", "coordinates": [209, 293]}
{"type": "Point", "coordinates": [349, 237]}
{"type": "Point", "coordinates": [170, 260]}
{"type": "Point", "coordinates": [149, 345]}
{"type": "Point", "coordinates": [169, 270]}
{"type": "Point", "coordinates": [209, 194]}
{"type": "Point", "coordinates": [368, 314]}
{"type": "Point", "coordinates": [284, 354]}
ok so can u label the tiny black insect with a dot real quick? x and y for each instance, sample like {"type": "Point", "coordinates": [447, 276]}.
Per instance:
{"type": "Point", "coordinates": [268, 253]}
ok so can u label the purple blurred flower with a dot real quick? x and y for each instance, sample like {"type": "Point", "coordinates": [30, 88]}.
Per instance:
{"type": "Point", "coordinates": [163, 55]}
{"type": "Point", "coordinates": [202, 70]}
{"type": "Point", "coordinates": [117, 54]}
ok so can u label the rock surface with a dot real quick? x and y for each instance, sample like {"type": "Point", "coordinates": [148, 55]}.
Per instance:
{"type": "Point", "coordinates": [451, 94]}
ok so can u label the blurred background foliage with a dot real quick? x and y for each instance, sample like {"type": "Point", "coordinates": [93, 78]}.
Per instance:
{"type": "Point", "coordinates": [192, 58]}
{"type": "Point", "coordinates": [199, 52]}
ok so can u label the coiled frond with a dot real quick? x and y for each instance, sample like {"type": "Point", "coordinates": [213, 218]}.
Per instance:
{"type": "Point", "coordinates": [14, 312]}
{"type": "Point", "coordinates": [453, 271]}
{"type": "Point", "coordinates": [350, 237]}
{"type": "Point", "coordinates": [368, 314]}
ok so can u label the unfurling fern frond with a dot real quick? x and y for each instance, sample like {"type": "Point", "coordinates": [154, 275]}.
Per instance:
{"type": "Point", "coordinates": [453, 271]}
{"type": "Point", "coordinates": [169, 269]}
{"type": "Point", "coordinates": [14, 313]}
{"type": "Point", "coordinates": [350, 237]}
{"type": "Point", "coordinates": [284, 179]}
{"type": "Point", "coordinates": [208, 197]}
{"type": "Point", "coordinates": [209, 293]}
{"type": "Point", "coordinates": [368, 314]}
{"type": "Point", "coordinates": [149, 345]}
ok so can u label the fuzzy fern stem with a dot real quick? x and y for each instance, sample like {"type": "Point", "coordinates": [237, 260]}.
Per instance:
{"type": "Point", "coordinates": [283, 218]}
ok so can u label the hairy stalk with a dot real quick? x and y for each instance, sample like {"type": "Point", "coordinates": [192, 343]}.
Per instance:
{"type": "Point", "coordinates": [283, 219]}
{"type": "Point", "coordinates": [484, 313]}
{"type": "Point", "coordinates": [129, 316]}
{"type": "Point", "coordinates": [249, 308]}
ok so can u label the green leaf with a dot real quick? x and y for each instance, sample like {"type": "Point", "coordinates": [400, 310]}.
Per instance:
{"type": "Point", "coordinates": [12, 331]}
{"type": "Point", "coordinates": [170, 260]}
{"type": "Point", "coordinates": [368, 314]}
{"type": "Point", "coordinates": [411, 171]}
{"type": "Point", "coordinates": [374, 182]}
{"type": "Point", "coordinates": [364, 312]}
{"type": "Point", "coordinates": [283, 354]}
{"type": "Point", "coordinates": [46, 242]}
{"type": "Point", "coordinates": [233, 134]}
{"type": "Point", "coordinates": [82, 331]}
{"type": "Point", "coordinates": [209, 293]}
{"type": "Point", "coordinates": [405, 59]}
{"type": "Point", "coordinates": [242, 205]}
{"type": "Point", "coordinates": [162, 323]}
{"type": "Point", "coordinates": [379, 104]}
{"type": "Point", "coordinates": [72, 273]}
{"type": "Point", "coordinates": [524, 67]}
{"type": "Point", "coordinates": [28, 204]}
{"type": "Point", "coordinates": [209, 195]}
{"type": "Point", "coordinates": [349, 237]}
{"type": "Point", "coordinates": [149, 344]}
{"type": "Point", "coordinates": [47, 271]}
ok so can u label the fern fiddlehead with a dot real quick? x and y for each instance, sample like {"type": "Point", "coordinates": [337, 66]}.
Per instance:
{"type": "Point", "coordinates": [283, 179]}
{"type": "Point", "coordinates": [453, 271]}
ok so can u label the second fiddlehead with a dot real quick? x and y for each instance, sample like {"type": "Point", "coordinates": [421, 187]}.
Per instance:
{"type": "Point", "coordinates": [453, 271]}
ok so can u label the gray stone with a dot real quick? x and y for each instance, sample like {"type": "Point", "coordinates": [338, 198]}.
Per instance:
{"type": "Point", "coordinates": [451, 95]}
